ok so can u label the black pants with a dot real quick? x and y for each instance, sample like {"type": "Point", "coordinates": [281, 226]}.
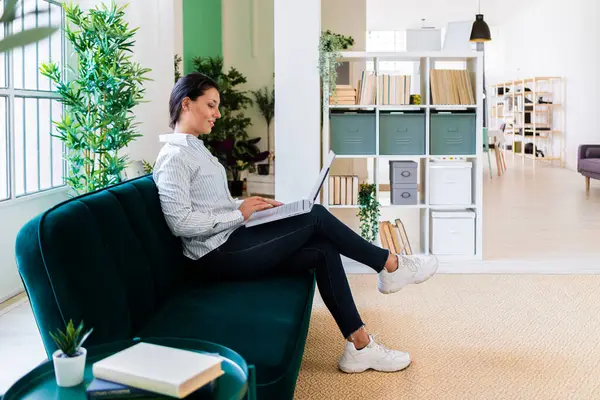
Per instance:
{"type": "Point", "coordinates": [309, 241]}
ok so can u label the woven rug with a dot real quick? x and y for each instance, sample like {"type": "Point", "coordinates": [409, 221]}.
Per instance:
{"type": "Point", "coordinates": [470, 337]}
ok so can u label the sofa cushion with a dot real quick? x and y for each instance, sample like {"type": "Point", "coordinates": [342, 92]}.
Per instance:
{"type": "Point", "coordinates": [106, 257]}
{"type": "Point", "coordinates": [260, 319]}
{"type": "Point", "coordinates": [590, 164]}
{"type": "Point", "coordinates": [593, 152]}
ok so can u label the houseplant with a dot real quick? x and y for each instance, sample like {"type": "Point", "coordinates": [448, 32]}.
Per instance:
{"type": "Point", "coordinates": [238, 156]}
{"type": "Point", "coordinates": [228, 140]}
{"type": "Point", "coordinates": [265, 101]}
{"type": "Point", "coordinates": [369, 211]}
{"type": "Point", "coordinates": [330, 45]}
{"type": "Point", "coordinates": [69, 359]}
{"type": "Point", "coordinates": [98, 121]}
{"type": "Point", "coordinates": [25, 37]}
{"type": "Point", "coordinates": [176, 64]}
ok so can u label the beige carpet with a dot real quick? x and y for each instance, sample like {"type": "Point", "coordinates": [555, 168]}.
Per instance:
{"type": "Point", "coordinates": [470, 337]}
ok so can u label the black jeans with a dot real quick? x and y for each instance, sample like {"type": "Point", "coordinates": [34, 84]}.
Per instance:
{"type": "Point", "coordinates": [310, 241]}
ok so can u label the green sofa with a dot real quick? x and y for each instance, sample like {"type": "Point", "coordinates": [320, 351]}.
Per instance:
{"type": "Point", "coordinates": [109, 258]}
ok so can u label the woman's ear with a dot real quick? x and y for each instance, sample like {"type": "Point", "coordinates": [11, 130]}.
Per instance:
{"type": "Point", "coordinates": [185, 104]}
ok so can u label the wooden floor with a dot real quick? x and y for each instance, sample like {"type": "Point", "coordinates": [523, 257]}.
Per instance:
{"type": "Point", "coordinates": [541, 213]}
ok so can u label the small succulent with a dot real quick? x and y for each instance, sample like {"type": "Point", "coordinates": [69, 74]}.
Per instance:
{"type": "Point", "coordinates": [70, 342]}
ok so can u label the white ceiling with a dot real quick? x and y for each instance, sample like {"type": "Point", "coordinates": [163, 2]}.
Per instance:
{"type": "Point", "coordinates": [407, 14]}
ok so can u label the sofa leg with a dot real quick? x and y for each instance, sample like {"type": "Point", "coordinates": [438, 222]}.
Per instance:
{"type": "Point", "coordinates": [587, 183]}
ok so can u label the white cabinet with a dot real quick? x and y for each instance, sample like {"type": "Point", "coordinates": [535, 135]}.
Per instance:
{"type": "Point", "coordinates": [453, 232]}
{"type": "Point", "coordinates": [261, 184]}
{"type": "Point", "coordinates": [450, 183]}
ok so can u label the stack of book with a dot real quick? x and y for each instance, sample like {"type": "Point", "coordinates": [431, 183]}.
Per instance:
{"type": "Point", "coordinates": [393, 237]}
{"type": "Point", "coordinates": [343, 190]}
{"type": "Point", "coordinates": [451, 87]}
{"type": "Point", "coordinates": [394, 89]}
{"type": "Point", "coordinates": [343, 95]}
{"type": "Point", "coordinates": [147, 371]}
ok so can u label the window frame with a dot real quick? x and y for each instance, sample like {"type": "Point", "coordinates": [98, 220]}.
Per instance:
{"type": "Point", "coordinates": [10, 93]}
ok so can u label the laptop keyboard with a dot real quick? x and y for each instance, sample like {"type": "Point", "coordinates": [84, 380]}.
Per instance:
{"type": "Point", "coordinates": [287, 208]}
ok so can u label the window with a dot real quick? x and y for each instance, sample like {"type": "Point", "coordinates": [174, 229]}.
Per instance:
{"type": "Point", "coordinates": [389, 41]}
{"type": "Point", "coordinates": [31, 160]}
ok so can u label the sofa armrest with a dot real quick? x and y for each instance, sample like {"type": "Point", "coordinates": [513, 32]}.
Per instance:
{"type": "Point", "coordinates": [582, 152]}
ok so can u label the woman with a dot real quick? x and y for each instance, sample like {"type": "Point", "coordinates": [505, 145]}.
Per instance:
{"type": "Point", "coordinates": [199, 209]}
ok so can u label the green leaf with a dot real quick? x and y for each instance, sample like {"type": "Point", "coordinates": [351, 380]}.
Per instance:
{"type": "Point", "coordinates": [25, 37]}
{"type": "Point", "coordinates": [10, 7]}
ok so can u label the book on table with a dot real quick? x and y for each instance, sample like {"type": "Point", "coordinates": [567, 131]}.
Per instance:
{"type": "Point", "coordinates": [99, 389]}
{"type": "Point", "coordinates": [159, 369]}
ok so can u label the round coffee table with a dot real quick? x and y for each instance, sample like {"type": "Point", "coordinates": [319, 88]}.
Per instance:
{"type": "Point", "coordinates": [40, 383]}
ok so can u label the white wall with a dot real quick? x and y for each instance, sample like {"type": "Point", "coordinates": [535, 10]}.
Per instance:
{"type": "Point", "coordinates": [297, 105]}
{"type": "Point", "coordinates": [248, 46]}
{"type": "Point", "coordinates": [13, 217]}
{"type": "Point", "coordinates": [178, 29]}
{"type": "Point", "coordinates": [556, 38]}
{"type": "Point", "coordinates": [346, 17]}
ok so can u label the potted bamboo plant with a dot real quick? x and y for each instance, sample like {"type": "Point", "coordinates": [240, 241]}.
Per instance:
{"type": "Point", "coordinates": [265, 101]}
{"type": "Point", "coordinates": [98, 122]}
{"type": "Point", "coordinates": [69, 359]}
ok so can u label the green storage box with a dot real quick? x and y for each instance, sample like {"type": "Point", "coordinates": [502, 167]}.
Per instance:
{"type": "Point", "coordinates": [453, 133]}
{"type": "Point", "coordinates": [353, 133]}
{"type": "Point", "coordinates": [401, 133]}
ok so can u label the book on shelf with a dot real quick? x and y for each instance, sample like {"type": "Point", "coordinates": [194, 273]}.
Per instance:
{"type": "Point", "coordinates": [393, 237]}
{"type": "Point", "coordinates": [343, 190]}
{"type": "Point", "coordinates": [394, 89]}
{"type": "Point", "coordinates": [452, 87]}
{"type": "Point", "coordinates": [366, 88]}
{"type": "Point", "coordinates": [160, 369]}
{"type": "Point", "coordinates": [390, 89]}
{"type": "Point", "coordinates": [343, 95]}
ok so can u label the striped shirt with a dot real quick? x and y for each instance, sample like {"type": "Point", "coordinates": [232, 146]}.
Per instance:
{"type": "Point", "coordinates": [194, 197]}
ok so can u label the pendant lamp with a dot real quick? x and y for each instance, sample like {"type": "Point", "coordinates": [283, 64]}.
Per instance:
{"type": "Point", "coordinates": [480, 31]}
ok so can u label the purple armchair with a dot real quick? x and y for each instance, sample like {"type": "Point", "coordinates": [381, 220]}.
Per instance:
{"type": "Point", "coordinates": [588, 162]}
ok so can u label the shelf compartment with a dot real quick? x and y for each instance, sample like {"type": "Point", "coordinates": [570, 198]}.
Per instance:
{"type": "Point", "coordinates": [401, 133]}
{"type": "Point", "coordinates": [353, 132]}
{"type": "Point", "coordinates": [452, 133]}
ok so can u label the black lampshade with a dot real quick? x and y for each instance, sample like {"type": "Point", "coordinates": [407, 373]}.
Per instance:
{"type": "Point", "coordinates": [480, 31]}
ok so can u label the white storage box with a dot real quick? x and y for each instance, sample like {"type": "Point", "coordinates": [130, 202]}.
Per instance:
{"type": "Point", "coordinates": [450, 183]}
{"type": "Point", "coordinates": [453, 232]}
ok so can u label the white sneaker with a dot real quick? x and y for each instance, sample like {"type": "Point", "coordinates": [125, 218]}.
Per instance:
{"type": "Point", "coordinates": [373, 356]}
{"type": "Point", "coordinates": [411, 269]}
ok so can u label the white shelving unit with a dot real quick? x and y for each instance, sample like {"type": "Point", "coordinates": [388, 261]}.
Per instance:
{"type": "Point", "coordinates": [423, 62]}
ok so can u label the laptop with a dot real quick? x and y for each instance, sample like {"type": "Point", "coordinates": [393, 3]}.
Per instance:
{"type": "Point", "coordinates": [297, 207]}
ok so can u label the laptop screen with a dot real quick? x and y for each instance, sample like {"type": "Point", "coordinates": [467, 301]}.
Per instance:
{"type": "Point", "coordinates": [322, 176]}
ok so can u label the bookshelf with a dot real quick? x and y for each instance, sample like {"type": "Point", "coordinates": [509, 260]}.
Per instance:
{"type": "Point", "coordinates": [532, 109]}
{"type": "Point", "coordinates": [373, 160]}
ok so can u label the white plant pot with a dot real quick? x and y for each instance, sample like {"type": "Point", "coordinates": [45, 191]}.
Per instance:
{"type": "Point", "coordinates": [69, 370]}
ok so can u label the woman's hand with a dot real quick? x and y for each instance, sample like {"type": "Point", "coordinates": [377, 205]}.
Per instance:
{"type": "Point", "coordinates": [250, 205]}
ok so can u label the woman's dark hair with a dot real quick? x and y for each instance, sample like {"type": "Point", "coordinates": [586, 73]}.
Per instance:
{"type": "Point", "coordinates": [192, 85]}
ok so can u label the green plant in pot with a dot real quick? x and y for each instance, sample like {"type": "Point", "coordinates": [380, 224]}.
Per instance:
{"type": "Point", "coordinates": [265, 101]}
{"type": "Point", "coordinates": [69, 359]}
{"type": "Point", "coordinates": [238, 156]}
{"type": "Point", "coordinates": [369, 211]}
{"type": "Point", "coordinates": [98, 120]}
{"type": "Point", "coordinates": [330, 45]}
